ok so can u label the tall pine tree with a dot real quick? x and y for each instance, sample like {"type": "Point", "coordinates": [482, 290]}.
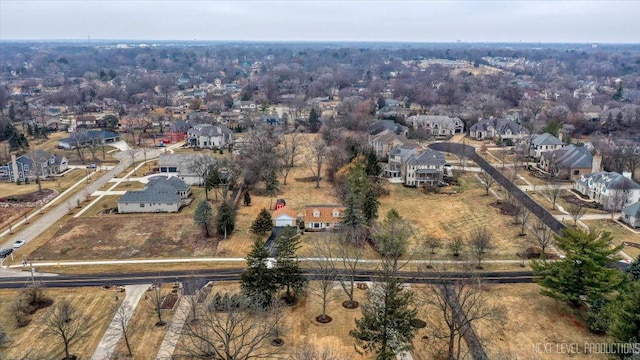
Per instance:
{"type": "Point", "coordinates": [258, 281]}
{"type": "Point", "coordinates": [287, 269]}
{"type": "Point", "coordinates": [263, 223]}
{"type": "Point", "coordinates": [226, 220]}
{"type": "Point", "coordinates": [583, 274]}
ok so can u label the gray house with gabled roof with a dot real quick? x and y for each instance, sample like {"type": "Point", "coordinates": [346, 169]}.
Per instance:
{"type": "Point", "coordinates": [415, 166]}
{"type": "Point", "coordinates": [210, 136]}
{"type": "Point", "coordinates": [437, 125]}
{"type": "Point", "coordinates": [569, 162]}
{"type": "Point", "coordinates": [161, 194]}
{"type": "Point", "coordinates": [507, 130]}
{"type": "Point", "coordinates": [32, 165]}
{"type": "Point", "coordinates": [544, 142]}
{"type": "Point", "coordinates": [631, 215]}
{"type": "Point", "coordinates": [180, 165]}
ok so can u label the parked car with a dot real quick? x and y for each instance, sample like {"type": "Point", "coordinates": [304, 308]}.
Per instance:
{"type": "Point", "coordinates": [5, 252]}
{"type": "Point", "coordinates": [91, 166]}
{"type": "Point", "coordinates": [18, 244]}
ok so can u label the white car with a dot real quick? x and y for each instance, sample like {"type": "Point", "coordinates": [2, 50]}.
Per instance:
{"type": "Point", "coordinates": [18, 244]}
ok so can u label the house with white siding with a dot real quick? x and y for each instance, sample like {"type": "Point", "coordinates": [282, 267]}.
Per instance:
{"type": "Point", "coordinates": [210, 136]}
{"type": "Point", "coordinates": [610, 189]}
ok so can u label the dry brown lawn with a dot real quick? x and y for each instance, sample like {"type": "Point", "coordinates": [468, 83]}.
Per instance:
{"type": "Point", "coordinates": [144, 337]}
{"type": "Point", "coordinates": [529, 319]}
{"type": "Point", "coordinates": [619, 233]}
{"type": "Point", "coordinates": [96, 306]}
{"type": "Point", "coordinates": [445, 216]}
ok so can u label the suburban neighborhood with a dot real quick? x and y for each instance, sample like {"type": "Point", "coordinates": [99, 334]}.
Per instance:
{"type": "Point", "coordinates": [196, 200]}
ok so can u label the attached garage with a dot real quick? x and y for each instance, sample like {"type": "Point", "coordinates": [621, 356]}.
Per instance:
{"type": "Point", "coordinates": [285, 216]}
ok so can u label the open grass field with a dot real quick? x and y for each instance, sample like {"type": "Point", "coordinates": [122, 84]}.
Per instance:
{"type": "Point", "coordinates": [445, 216]}
{"type": "Point", "coordinates": [529, 319]}
{"type": "Point", "coordinates": [95, 305]}
{"type": "Point", "coordinates": [619, 233]}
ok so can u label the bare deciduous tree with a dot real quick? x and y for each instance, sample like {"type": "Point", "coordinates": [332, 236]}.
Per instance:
{"type": "Point", "coordinates": [312, 352]}
{"type": "Point", "coordinates": [288, 153]}
{"type": "Point", "coordinates": [120, 326]}
{"type": "Point", "coordinates": [235, 328]}
{"type": "Point", "coordinates": [326, 275]}
{"type": "Point", "coordinates": [64, 323]}
{"type": "Point", "coordinates": [203, 165]}
{"type": "Point", "coordinates": [576, 211]}
{"type": "Point", "coordinates": [316, 158]}
{"type": "Point", "coordinates": [154, 298]}
{"type": "Point", "coordinates": [521, 216]}
{"type": "Point", "coordinates": [432, 243]}
{"type": "Point", "coordinates": [553, 190]}
{"type": "Point", "coordinates": [461, 303]}
{"type": "Point", "coordinates": [480, 242]}
{"type": "Point", "coordinates": [487, 181]}
{"type": "Point", "coordinates": [544, 236]}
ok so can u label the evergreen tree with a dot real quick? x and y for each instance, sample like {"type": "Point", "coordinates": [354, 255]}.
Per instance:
{"type": "Point", "coordinates": [370, 204]}
{"type": "Point", "coordinates": [634, 269]}
{"type": "Point", "coordinates": [247, 199]}
{"type": "Point", "coordinates": [625, 316]}
{"type": "Point", "coordinates": [287, 269]}
{"type": "Point", "coordinates": [385, 327]}
{"type": "Point", "coordinates": [226, 220]}
{"type": "Point", "coordinates": [583, 271]}
{"type": "Point", "coordinates": [258, 281]}
{"type": "Point", "coordinates": [372, 167]}
{"type": "Point", "coordinates": [202, 216]}
{"type": "Point", "coordinates": [314, 120]}
{"type": "Point", "coordinates": [263, 223]}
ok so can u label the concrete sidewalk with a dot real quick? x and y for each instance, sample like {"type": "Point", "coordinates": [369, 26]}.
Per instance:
{"type": "Point", "coordinates": [172, 335]}
{"type": "Point", "coordinates": [112, 336]}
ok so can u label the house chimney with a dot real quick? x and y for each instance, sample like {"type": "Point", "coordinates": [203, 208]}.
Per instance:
{"type": "Point", "coordinates": [14, 167]}
{"type": "Point", "coordinates": [627, 174]}
{"type": "Point", "coordinates": [596, 163]}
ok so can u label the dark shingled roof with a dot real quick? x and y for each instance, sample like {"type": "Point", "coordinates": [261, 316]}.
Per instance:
{"type": "Point", "coordinates": [158, 190]}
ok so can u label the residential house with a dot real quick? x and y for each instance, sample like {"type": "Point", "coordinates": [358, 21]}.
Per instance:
{"type": "Point", "coordinates": [508, 131]}
{"type": "Point", "coordinates": [542, 143]}
{"type": "Point", "coordinates": [322, 217]}
{"type": "Point", "coordinates": [569, 162]}
{"type": "Point", "coordinates": [384, 141]}
{"type": "Point", "coordinates": [610, 189]}
{"type": "Point", "coordinates": [285, 216]}
{"type": "Point", "coordinates": [416, 166]}
{"type": "Point", "coordinates": [32, 165]}
{"type": "Point", "coordinates": [84, 138]}
{"type": "Point", "coordinates": [380, 125]}
{"type": "Point", "coordinates": [273, 120]}
{"type": "Point", "coordinates": [161, 194]}
{"type": "Point", "coordinates": [179, 165]}
{"type": "Point", "coordinates": [631, 215]}
{"type": "Point", "coordinates": [210, 136]}
{"type": "Point", "coordinates": [436, 125]}
{"type": "Point", "coordinates": [245, 106]}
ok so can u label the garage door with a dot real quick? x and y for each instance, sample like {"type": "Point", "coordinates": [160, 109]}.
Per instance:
{"type": "Point", "coordinates": [284, 222]}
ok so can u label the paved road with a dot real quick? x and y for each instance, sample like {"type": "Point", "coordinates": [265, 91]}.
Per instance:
{"type": "Point", "coordinates": [504, 277]}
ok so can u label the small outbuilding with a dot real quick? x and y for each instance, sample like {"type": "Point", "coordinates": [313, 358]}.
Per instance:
{"type": "Point", "coordinates": [631, 215]}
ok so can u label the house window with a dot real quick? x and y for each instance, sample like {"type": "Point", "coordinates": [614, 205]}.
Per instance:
{"type": "Point", "coordinates": [576, 172]}
{"type": "Point", "coordinates": [315, 225]}
{"type": "Point", "coordinates": [327, 225]}
{"type": "Point", "coordinates": [316, 213]}
{"type": "Point", "coordinates": [141, 205]}
{"type": "Point", "coordinates": [336, 213]}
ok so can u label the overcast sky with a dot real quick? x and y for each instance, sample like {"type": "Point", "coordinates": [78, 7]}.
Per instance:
{"type": "Point", "coordinates": [355, 20]}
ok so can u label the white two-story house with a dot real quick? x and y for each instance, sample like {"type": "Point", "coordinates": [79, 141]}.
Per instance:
{"type": "Point", "coordinates": [610, 189]}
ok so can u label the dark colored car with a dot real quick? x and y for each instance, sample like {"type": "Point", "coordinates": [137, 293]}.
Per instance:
{"type": "Point", "coordinates": [5, 252]}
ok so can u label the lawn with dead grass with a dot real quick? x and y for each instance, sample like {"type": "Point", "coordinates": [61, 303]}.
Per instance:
{"type": "Point", "coordinates": [95, 306]}
{"type": "Point", "coordinates": [619, 233]}
{"type": "Point", "coordinates": [530, 319]}
{"type": "Point", "coordinates": [144, 336]}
